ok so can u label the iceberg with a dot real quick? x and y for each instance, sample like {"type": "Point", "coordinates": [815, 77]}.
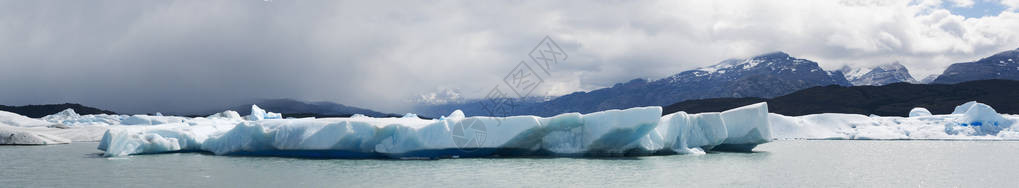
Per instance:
{"type": "Point", "coordinates": [67, 126]}
{"type": "Point", "coordinates": [260, 114]}
{"type": "Point", "coordinates": [16, 129]}
{"type": "Point", "coordinates": [961, 109]}
{"type": "Point", "coordinates": [634, 131]}
{"type": "Point", "coordinates": [746, 126]}
{"type": "Point", "coordinates": [917, 112]}
{"type": "Point", "coordinates": [740, 129]}
{"type": "Point", "coordinates": [605, 133]}
{"type": "Point", "coordinates": [70, 118]}
{"type": "Point", "coordinates": [229, 114]}
{"type": "Point", "coordinates": [627, 132]}
{"type": "Point", "coordinates": [17, 120]}
{"type": "Point", "coordinates": [969, 121]}
{"type": "Point", "coordinates": [150, 120]}
{"type": "Point", "coordinates": [978, 119]}
{"type": "Point", "coordinates": [14, 136]}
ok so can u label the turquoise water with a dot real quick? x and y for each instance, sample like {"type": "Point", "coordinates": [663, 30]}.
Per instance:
{"type": "Point", "coordinates": [821, 163]}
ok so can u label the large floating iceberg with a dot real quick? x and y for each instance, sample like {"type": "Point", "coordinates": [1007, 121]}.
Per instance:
{"type": "Point", "coordinates": [634, 131]}
{"type": "Point", "coordinates": [970, 121]}
{"type": "Point", "coordinates": [16, 136]}
{"type": "Point", "coordinates": [18, 130]}
{"type": "Point", "coordinates": [629, 132]}
{"type": "Point", "coordinates": [739, 129]}
{"type": "Point", "coordinates": [69, 118]}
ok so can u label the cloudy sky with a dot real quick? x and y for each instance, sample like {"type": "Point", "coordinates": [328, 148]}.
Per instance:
{"type": "Point", "coordinates": [173, 56]}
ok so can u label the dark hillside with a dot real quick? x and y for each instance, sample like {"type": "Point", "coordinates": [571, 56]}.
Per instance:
{"type": "Point", "coordinates": [889, 100]}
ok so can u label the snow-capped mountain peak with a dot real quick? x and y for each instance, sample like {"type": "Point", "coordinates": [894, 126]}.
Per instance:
{"type": "Point", "coordinates": [894, 66]}
{"type": "Point", "coordinates": [775, 61]}
{"type": "Point", "coordinates": [764, 76]}
{"type": "Point", "coordinates": [929, 79]}
{"type": "Point", "coordinates": [853, 73]}
{"type": "Point", "coordinates": [443, 96]}
{"type": "Point", "coordinates": [775, 71]}
{"type": "Point", "coordinates": [878, 75]}
{"type": "Point", "coordinates": [1002, 65]}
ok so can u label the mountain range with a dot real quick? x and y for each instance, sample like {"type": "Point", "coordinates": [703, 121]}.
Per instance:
{"type": "Point", "coordinates": [763, 76]}
{"type": "Point", "coordinates": [889, 100]}
{"type": "Point", "coordinates": [295, 108]}
{"type": "Point", "coordinates": [1002, 65]}
{"type": "Point", "coordinates": [766, 75]}
{"type": "Point", "coordinates": [38, 111]}
{"type": "Point", "coordinates": [878, 75]}
{"type": "Point", "coordinates": [928, 79]}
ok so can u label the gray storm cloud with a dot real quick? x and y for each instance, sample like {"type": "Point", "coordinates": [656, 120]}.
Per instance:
{"type": "Point", "coordinates": [182, 56]}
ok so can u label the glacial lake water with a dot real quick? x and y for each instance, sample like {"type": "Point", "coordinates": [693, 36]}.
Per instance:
{"type": "Point", "coordinates": [795, 163]}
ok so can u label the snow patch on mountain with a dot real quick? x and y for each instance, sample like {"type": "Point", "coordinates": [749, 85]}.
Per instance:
{"type": "Point", "coordinates": [1002, 65]}
{"type": "Point", "coordinates": [877, 75]}
{"type": "Point", "coordinates": [929, 79]}
{"type": "Point", "coordinates": [443, 96]}
{"type": "Point", "coordinates": [775, 61]}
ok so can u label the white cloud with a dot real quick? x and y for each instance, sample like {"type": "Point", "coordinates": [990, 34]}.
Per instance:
{"type": "Point", "coordinates": [1012, 5]}
{"type": "Point", "coordinates": [378, 54]}
{"type": "Point", "coordinates": [962, 3]}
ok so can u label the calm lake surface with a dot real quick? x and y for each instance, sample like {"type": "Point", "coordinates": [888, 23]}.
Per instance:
{"type": "Point", "coordinates": [799, 163]}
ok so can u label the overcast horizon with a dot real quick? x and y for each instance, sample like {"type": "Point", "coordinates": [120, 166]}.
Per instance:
{"type": "Point", "coordinates": [180, 56]}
